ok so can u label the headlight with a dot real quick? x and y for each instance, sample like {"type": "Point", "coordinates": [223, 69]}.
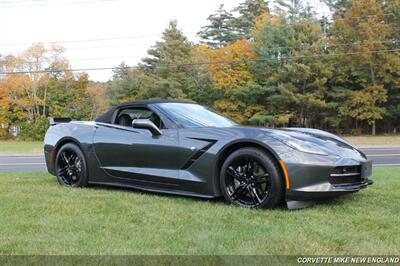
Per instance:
{"type": "Point", "coordinates": [300, 145]}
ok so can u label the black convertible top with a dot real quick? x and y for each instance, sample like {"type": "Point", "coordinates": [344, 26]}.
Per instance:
{"type": "Point", "coordinates": [145, 102]}
{"type": "Point", "coordinates": [107, 117]}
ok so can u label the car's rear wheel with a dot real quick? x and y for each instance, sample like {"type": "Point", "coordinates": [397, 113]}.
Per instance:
{"type": "Point", "coordinates": [70, 166]}
{"type": "Point", "coordinates": [251, 178]}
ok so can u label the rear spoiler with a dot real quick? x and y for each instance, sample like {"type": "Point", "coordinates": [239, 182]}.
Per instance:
{"type": "Point", "coordinates": [58, 120]}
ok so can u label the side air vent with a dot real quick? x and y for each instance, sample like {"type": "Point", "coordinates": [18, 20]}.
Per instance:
{"type": "Point", "coordinates": [198, 154]}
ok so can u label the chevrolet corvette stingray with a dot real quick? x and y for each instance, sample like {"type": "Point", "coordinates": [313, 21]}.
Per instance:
{"type": "Point", "coordinates": [184, 148]}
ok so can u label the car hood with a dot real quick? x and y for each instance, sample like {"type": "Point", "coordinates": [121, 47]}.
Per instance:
{"type": "Point", "coordinates": [278, 138]}
{"type": "Point", "coordinates": [327, 142]}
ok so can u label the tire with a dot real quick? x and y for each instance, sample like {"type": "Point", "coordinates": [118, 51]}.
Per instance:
{"type": "Point", "coordinates": [251, 178]}
{"type": "Point", "coordinates": [71, 167]}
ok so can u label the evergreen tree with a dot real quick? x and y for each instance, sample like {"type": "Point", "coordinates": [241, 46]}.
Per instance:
{"type": "Point", "coordinates": [165, 65]}
{"type": "Point", "coordinates": [293, 81]}
{"type": "Point", "coordinates": [200, 84]}
{"type": "Point", "coordinates": [248, 11]}
{"type": "Point", "coordinates": [224, 28]}
{"type": "Point", "coordinates": [220, 31]}
{"type": "Point", "coordinates": [295, 9]}
{"type": "Point", "coordinates": [338, 7]}
{"type": "Point", "coordinates": [125, 85]}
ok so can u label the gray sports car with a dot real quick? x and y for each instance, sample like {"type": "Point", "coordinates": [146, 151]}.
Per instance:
{"type": "Point", "coordinates": [184, 148]}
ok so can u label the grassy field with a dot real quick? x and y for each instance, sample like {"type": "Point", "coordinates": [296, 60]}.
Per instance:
{"type": "Point", "coordinates": [21, 147]}
{"type": "Point", "coordinates": [40, 217]}
{"type": "Point", "coordinates": [383, 140]}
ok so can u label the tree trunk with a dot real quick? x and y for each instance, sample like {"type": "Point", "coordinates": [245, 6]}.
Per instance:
{"type": "Point", "coordinates": [373, 128]}
{"type": "Point", "coordinates": [44, 100]}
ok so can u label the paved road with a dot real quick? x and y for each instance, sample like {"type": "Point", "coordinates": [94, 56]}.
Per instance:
{"type": "Point", "coordinates": [19, 162]}
{"type": "Point", "coordinates": [383, 155]}
{"type": "Point", "coordinates": [389, 156]}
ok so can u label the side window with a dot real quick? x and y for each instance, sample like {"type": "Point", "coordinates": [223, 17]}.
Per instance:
{"type": "Point", "coordinates": [126, 116]}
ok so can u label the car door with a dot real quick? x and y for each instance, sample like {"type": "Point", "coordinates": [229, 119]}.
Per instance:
{"type": "Point", "coordinates": [135, 154]}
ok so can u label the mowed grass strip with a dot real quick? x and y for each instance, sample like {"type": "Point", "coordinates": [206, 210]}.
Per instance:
{"type": "Point", "coordinates": [373, 141]}
{"type": "Point", "coordinates": [21, 147]}
{"type": "Point", "coordinates": [38, 216]}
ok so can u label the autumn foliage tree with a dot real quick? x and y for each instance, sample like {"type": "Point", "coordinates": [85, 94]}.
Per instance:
{"type": "Point", "coordinates": [231, 73]}
{"type": "Point", "coordinates": [364, 28]}
{"type": "Point", "coordinates": [284, 66]}
{"type": "Point", "coordinates": [273, 64]}
{"type": "Point", "coordinates": [37, 86]}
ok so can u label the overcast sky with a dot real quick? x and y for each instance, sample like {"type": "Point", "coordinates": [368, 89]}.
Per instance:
{"type": "Point", "coordinates": [23, 22]}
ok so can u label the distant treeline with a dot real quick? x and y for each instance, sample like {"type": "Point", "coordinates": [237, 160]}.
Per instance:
{"type": "Point", "coordinates": [280, 65]}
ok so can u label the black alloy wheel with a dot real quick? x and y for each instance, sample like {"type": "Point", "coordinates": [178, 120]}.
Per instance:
{"type": "Point", "coordinates": [70, 166]}
{"type": "Point", "coordinates": [251, 178]}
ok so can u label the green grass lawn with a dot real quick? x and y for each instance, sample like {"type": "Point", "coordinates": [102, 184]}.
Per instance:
{"type": "Point", "coordinates": [21, 147]}
{"type": "Point", "coordinates": [37, 216]}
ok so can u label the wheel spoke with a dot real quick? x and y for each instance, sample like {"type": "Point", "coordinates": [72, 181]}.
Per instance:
{"type": "Point", "coordinates": [235, 174]}
{"type": "Point", "coordinates": [249, 167]}
{"type": "Point", "coordinates": [253, 189]}
{"type": "Point", "coordinates": [261, 179]}
{"type": "Point", "coordinates": [62, 170]}
{"type": "Point", "coordinates": [66, 180]}
{"type": "Point", "coordinates": [71, 158]}
{"type": "Point", "coordinates": [64, 158]}
{"type": "Point", "coordinates": [238, 190]}
{"type": "Point", "coordinates": [78, 165]}
{"type": "Point", "coordinates": [252, 196]}
{"type": "Point", "coordinates": [75, 171]}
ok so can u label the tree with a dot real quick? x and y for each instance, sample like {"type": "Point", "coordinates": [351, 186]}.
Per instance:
{"type": "Point", "coordinates": [292, 78]}
{"type": "Point", "coordinates": [271, 35]}
{"type": "Point", "coordinates": [392, 16]}
{"type": "Point", "coordinates": [264, 68]}
{"type": "Point", "coordinates": [391, 72]}
{"type": "Point", "coordinates": [230, 73]}
{"type": "Point", "coordinates": [125, 85]}
{"type": "Point", "coordinates": [248, 11]}
{"type": "Point", "coordinates": [295, 9]}
{"type": "Point", "coordinates": [338, 7]}
{"type": "Point", "coordinates": [165, 65]}
{"type": "Point", "coordinates": [224, 28]}
{"type": "Point", "coordinates": [220, 31]}
{"type": "Point", "coordinates": [362, 71]}
{"type": "Point", "coordinates": [47, 89]}
{"type": "Point", "coordinates": [200, 86]}
{"type": "Point", "coordinates": [98, 99]}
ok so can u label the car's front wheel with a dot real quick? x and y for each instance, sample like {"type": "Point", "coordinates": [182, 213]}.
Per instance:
{"type": "Point", "coordinates": [251, 178]}
{"type": "Point", "coordinates": [70, 166]}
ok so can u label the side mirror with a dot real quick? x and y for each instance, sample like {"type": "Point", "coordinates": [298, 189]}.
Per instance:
{"type": "Point", "coordinates": [146, 124]}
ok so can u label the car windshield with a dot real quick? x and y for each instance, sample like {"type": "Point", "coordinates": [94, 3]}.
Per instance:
{"type": "Point", "coordinates": [194, 115]}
